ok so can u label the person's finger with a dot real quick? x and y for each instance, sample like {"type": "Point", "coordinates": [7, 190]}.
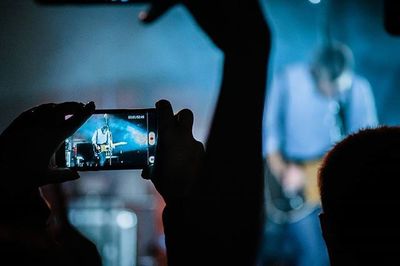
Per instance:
{"type": "Point", "coordinates": [79, 116]}
{"type": "Point", "coordinates": [41, 108]}
{"type": "Point", "coordinates": [51, 114]}
{"type": "Point", "coordinates": [148, 172]}
{"type": "Point", "coordinates": [68, 108]}
{"type": "Point", "coordinates": [157, 9]}
{"type": "Point", "coordinates": [145, 173]}
{"type": "Point", "coordinates": [26, 116]}
{"type": "Point", "coordinates": [57, 116]}
{"type": "Point", "coordinates": [58, 175]}
{"type": "Point", "coordinates": [185, 119]}
{"type": "Point", "coordinates": [165, 115]}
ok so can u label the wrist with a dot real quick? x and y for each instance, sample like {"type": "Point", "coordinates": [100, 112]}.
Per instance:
{"type": "Point", "coordinates": [17, 186]}
{"type": "Point", "coordinates": [24, 207]}
{"type": "Point", "coordinates": [254, 50]}
{"type": "Point", "coordinates": [250, 44]}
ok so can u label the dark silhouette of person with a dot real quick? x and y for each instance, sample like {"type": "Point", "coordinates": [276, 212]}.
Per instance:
{"type": "Point", "coordinates": [359, 187]}
{"type": "Point", "coordinates": [214, 198]}
{"type": "Point", "coordinates": [214, 211]}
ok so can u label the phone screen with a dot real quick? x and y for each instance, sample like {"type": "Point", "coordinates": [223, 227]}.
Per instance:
{"type": "Point", "coordinates": [112, 139]}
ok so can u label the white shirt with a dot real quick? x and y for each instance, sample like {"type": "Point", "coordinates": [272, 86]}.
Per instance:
{"type": "Point", "coordinates": [101, 138]}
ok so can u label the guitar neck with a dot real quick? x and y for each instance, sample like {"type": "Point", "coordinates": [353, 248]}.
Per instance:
{"type": "Point", "coordinates": [119, 143]}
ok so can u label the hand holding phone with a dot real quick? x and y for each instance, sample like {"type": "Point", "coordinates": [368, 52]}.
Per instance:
{"type": "Point", "coordinates": [41, 129]}
{"type": "Point", "coordinates": [180, 157]}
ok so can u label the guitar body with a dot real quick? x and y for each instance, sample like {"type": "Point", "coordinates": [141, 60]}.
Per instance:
{"type": "Point", "coordinates": [107, 148]}
{"type": "Point", "coordinates": [285, 207]}
{"type": "Point", "coordinates": [311, 189]}
{"type": "Point", "coordinates": [104, 148]}
{"type": "Point", "coordinates": [99, 148]}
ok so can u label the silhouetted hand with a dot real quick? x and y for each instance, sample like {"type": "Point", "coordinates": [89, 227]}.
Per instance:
{"type": "Point", "coordinates": [231, 24]}
{"type": "Point", "coordinates": [179, 157]}
{"type": "Point", "coordinates": [31, 140]}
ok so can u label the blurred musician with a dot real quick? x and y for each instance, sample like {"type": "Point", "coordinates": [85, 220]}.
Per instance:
{"type": "Point", "coordinates": [309, 108]}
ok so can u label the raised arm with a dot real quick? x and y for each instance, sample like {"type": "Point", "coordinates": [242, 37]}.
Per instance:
{"type": "Point", "coordinates": [214, 211]}
{"type": "Point", "coordinates": [234, 165]}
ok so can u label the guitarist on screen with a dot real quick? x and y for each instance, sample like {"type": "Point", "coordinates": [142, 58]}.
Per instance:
{"type": "Point", "coordinates": [102, 142]}
{"type": "Point", "coordinates": [310, 106]}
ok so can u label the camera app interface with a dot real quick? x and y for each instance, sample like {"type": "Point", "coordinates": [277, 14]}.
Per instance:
{"type": "Point", "coordinates": [113, 140]}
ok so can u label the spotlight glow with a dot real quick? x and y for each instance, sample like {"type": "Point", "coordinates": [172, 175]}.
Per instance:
{"type": "Point", "coordinates": [125, 220]}
{"type": "Point", "coordinates": [314, 1]}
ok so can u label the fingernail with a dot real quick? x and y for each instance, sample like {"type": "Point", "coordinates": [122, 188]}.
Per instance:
{"type": "Point", "coordinates": [142, 15]}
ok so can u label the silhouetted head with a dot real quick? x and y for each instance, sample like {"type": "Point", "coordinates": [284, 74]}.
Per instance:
{"type": "Point", "coordinates": [332, 68]}
{"type": "Point", "coordinates": [360, 195]}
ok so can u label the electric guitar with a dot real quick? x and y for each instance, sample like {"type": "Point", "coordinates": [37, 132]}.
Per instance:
{"type": "Point", "coordinates": [295, 205]}
{"type": "Point", "coordinates": [98, 148]}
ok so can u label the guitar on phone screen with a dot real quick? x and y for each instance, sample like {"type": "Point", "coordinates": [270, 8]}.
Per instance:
{"type": "Point", "coordinates": [107, 147]}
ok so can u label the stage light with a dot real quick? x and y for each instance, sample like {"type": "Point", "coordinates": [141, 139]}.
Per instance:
{"type": "Point", "coordinates": [125, 219]}
{"type": "Point", "coordinates": [314, 1]}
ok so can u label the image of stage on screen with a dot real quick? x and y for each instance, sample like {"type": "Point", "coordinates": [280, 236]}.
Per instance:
{"type": "Point", "coordinates": [115, 140]}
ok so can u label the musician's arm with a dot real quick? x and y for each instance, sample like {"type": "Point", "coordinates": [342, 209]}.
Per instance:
{"type": "Point", "coordinates": [362, 111]}
{"type": "Point", "coordinates": [276, 164]}
{"type": "Point", "coordinates": [276, 100]}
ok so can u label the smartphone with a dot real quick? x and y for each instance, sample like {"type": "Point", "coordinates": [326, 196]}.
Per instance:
{"type": "Point", "coordinates": [112, 139]}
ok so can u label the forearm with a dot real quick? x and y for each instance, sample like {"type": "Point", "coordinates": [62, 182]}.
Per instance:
{"type": "Point", "coordinates": [20, 202]}
{"type": "Point", "coordinates": [276, 164]}
{"type": "Point", "coordinates": [24, 208]}
{"type": "Point", "coordinates": [235, 139]}
{"type": "Point", "coordinates": [12, 192]}
{"type": "Point", "coordinates": [225, 214]}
